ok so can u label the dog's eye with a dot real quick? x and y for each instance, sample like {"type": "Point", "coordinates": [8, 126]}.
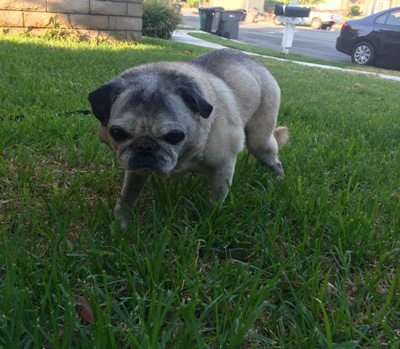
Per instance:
{"type": "Point", "coordinates": [174, 137]}
{"type": "Point", "coordinates": [118, 134]}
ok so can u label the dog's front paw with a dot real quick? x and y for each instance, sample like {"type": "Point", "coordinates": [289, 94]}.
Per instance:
{"type": "Point", "coordinates": [121, 211]}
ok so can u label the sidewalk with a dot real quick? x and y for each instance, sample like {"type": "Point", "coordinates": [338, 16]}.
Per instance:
{"type": "Point", "coordinates": [181, 35]}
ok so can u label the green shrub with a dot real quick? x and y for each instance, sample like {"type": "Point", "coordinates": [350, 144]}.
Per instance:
{"type": "Point", "coordinates": [159, 19]}
{"type": "Point", "coordinates": [354, 10]}
{"type": "Point", "coordinates": [193, 3]}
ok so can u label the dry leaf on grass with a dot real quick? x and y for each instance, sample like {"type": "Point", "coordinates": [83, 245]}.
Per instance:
{"type": "Point", "coordinates": [84, 310]}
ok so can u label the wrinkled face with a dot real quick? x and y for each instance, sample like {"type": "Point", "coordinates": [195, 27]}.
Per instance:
{"type": "Point", "coordinates": [149, 125]}
{"type": "Point", "coordinates": [149, 130]}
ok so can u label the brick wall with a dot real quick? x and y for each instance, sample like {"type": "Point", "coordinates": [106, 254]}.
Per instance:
{"type": "Point", "coordinates": [102, 19]}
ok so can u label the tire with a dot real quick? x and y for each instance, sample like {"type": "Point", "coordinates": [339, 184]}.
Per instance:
{"type": "Point", "coordinates": [276, 22]}
{"type": "Point", "coordinates": [326, 27]}
{"type": "Point", "coordinates": [363, 54]}
{"type": "Point", "coordinates": [316, 23]}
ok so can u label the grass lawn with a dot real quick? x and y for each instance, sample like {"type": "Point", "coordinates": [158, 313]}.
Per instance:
{"type": "Point", "coordinates": [309, 261]}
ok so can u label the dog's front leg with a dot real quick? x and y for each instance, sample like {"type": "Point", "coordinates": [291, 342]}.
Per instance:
{"type": "Point", "coordinates": [133, 185]}
{"type": "Point", "coordinates": [220, 182]}
{"type": "Point", "coordinates": [219, 190]}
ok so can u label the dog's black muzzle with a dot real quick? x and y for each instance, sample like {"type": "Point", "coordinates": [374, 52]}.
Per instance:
{"type": "Point", "coordinates": [145, 154]}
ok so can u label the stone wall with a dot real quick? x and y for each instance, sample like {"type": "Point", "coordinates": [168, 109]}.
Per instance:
{"type": "Point", "coordinates": [101, 19]}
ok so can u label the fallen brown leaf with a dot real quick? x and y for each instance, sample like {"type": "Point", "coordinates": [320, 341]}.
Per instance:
{"type": "Point", "coordinates": [84, 310]}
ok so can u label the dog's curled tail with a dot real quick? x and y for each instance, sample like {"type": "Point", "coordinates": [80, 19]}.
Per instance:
{"type": "Point", "coordinates": [281, 135]}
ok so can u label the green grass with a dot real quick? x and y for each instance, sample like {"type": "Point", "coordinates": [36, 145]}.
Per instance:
{"type": "Point", "coordinates": [311, 261]}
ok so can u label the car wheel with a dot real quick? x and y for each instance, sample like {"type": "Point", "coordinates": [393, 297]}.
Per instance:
{"type": "Point", "coordinates": [316, 23]}
{"type": "Point", "coordinates": [276, 22]}
{"type": "Point", "coordinates": [363, 54]}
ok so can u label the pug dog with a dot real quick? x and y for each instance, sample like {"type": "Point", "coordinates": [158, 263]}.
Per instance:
{"type": "Point", "coordinates": [168, 118]}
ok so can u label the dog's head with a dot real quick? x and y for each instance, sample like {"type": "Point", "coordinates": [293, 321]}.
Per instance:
{"type": "Point", "coordinates": [151, 118]}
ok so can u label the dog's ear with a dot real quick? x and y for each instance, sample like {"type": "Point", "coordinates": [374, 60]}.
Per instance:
{"type": "Point", "coordinates": [102, 100]}
{"type": "Point", "coordinates": [194, 100]}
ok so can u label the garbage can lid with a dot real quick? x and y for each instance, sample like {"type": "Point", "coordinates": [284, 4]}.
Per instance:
{"type": "Point", "coordinates": [230, 15]}
{"type": "Point", "coordinates": [210, 8]}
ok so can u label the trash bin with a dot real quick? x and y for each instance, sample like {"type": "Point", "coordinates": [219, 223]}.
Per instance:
{"type": "Point", "coordinates": [206, 15]}
{"type": "Point", "coordinates": [226, 23]}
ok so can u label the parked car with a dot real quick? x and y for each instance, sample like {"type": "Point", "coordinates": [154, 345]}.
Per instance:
{"type": "Point", "coordinates": [372, 38]}
{"type": "Point", "coordinates": [318, 19]}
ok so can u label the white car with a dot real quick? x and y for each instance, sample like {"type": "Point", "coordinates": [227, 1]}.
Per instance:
{"type": "Point", "coordinates": [319, 20]}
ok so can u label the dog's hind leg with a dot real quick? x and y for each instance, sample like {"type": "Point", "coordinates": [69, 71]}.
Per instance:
{"type": "Point", "coordinates": [263, 141]}
{"type": "Point", "coordinates": [267, 154]}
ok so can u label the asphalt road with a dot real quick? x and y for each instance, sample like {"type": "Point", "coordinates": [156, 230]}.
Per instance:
{"type": "Point", "coordinates": [307, 41]}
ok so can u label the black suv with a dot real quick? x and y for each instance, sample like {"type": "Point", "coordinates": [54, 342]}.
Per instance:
{"type": "Point", "coordinates": [373, 38]}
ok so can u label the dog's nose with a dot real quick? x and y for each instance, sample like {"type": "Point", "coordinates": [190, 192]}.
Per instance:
{"type": "Point", "coordinates": [144, 143]}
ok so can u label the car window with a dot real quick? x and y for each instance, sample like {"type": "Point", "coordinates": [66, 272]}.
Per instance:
{"type": "Point", "coordinates": [394, 18]}
{"type": "Point", "coordinates": [381, 19]}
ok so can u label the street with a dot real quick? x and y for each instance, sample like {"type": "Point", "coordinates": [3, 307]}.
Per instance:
{"type": "Point", "coordinates": [307, 41]}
